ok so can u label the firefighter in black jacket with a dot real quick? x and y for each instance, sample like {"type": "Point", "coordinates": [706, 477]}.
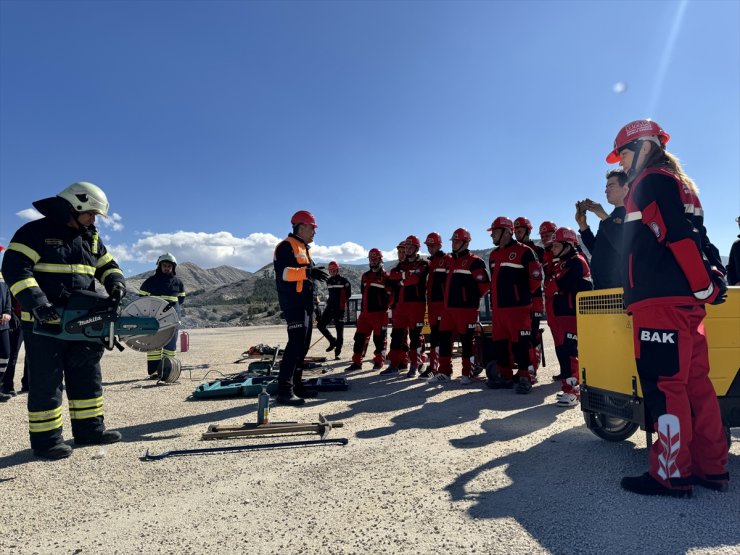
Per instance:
{"type": "Point", "coordinates": [165, 285]}
{"type": "Point", "coordinates": [667, 281]}
{"type": "Point", "coordinates": [295, 273]}
{"type": "Point", "coordinates": [46, 260]}
{"type": "Point", "coordinates": [340, 290]}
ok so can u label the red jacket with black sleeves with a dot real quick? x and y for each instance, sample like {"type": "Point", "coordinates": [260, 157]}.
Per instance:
{"type": "Point", "coordinates": [376, 291]}
{"type": "Point", "coordinates": [515, 275]}
{"type": "Point", "coordinates": [411, 279]}
{"type": "Point", "coordinates": [438, 269]}
{"type": "Point", "coordinates": [467, 282]}
{"type": "Point", "coordinates": [663, 261]}
{"type": "Point", "coordinates": [572, 276]}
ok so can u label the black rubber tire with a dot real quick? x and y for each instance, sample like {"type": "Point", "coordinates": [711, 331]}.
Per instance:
{"type": "Point", "coordinates": [610, 428]}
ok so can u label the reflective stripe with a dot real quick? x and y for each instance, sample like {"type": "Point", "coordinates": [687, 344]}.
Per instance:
{"type": "Point", "coordinates": [511, 265]}
{"type": "Point", "coordinates": [64, 268]}
{"type": "Point", "coordinates": [170, 298]}
{"type": "Point", "coordinates": [144, 293]}
{"type": "Point", "coordinates": [85, 408]}
{"type": "Point", "coordinates": [688, 208]}
{"type": "Point", "coordinates": [109, 272]}
{"type": "Point", "coordinates": [698, 211]}
{"type": "Point", "coordinates": [335, 286]}
{"type": "Point", "coordinates": [19, 286]}
{"type": "Point", "coordinates": [441, 270]}
{"type": "Point", "coordinates": [45, 420]}
{"type": "Point", "coordinates": [377, 285]}
{"type": "Point", "coordinates": [103, 260]}
{"type": "Point", "coordinates": [154, 355]}
{"type": "Point", "coordinates": [26, 316]}
{"type": "Point", "coordinates": [23, 249]}
{"type": "Point", "coordinates": [463, 271]}
{"type": "Point", "coordinates": [168, 353]}
{"type": "Point", "coordinates": [633, 216]}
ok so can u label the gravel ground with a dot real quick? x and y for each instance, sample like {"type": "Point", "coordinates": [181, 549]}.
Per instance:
{"type": "Point", "coordinates": [428, 469]}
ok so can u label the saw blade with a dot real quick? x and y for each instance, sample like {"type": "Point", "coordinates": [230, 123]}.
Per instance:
{"type": "Point", "coordinates": [162, 312]}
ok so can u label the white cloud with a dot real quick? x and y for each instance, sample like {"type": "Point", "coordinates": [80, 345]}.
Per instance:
{"type": "Point", "coordinates": [209, 250]}
{"type": "Point", "coordinates": [29, 214]}
{"type": "Point", "coordinates": [113, 221]}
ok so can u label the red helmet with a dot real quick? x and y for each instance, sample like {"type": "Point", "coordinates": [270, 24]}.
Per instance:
{"type": "Point", "coordinates": [461, 234]}
{"type": "Point", "coordinates": [434, 238]}
{"type": "Point", "coordinates": [502, 222]}
{"type": "Point", "coordinates": [548, 227]}
{"type": "Point", "coordinates": [521, 221]}
{"type": "Point", "coordinates": [375, 254]}
{"type": "Point", "coordinates": [637, 129]}
{"type": "Point", "coordinates": [303, 217]}
{"type": "Point", "coordinates": [333, 266]}
{"type": "Point", "coordinates": [401, 245]}
{"type": "Point", "coordinates": [414, 240]}
{"type": "Point", "coordinates": [566, 235]}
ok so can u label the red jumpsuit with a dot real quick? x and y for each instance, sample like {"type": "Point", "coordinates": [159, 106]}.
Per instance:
{"type": "Point", "coordinates": [373, 319]}
{"type": "Point", "coordinates": [538, 310]}
{"type": "Point", "coordinates": [466, 283]}
{"type": "Point", "coordinates": [438, 269]}
{"type": "Point", "coordinates": [408, 314]}
{"type": "Point", "coordinates": [666, 284]}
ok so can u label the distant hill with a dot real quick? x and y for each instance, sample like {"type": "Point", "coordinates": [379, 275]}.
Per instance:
{"type": "Point", "coordinates": [194, 277]}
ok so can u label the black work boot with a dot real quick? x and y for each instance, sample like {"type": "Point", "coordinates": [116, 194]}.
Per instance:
{"type": "Point", "coordinates": [5, 397]}
{"type": "Point", "coordinates": [647, 485]}
{"type": "Point", "coordinates": [300, 390]}
{"type": "Point", "coordinates": [332, 345]}
{"type": "Point", "coordinates": [285, 395]}
{"type": "Point", "coordinates": [104, 438]}
{"type": "Point", "coordinates": [54, 453]}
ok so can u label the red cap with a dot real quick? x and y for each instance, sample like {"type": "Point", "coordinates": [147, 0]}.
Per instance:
{"type": "Point", "coordinates": [303, 217]}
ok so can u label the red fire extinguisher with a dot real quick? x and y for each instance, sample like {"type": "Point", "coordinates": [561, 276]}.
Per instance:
{"type": "Point", "coordinates": [184, 341]}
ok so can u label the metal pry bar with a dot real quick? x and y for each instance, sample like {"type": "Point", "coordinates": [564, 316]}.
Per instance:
{"type": "Point", "coordinates": [285, 444]}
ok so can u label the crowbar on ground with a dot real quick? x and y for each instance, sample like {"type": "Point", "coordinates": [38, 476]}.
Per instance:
{"type": "Point", "coordinates": [323, 427]}
{"type": "Point", "coordinates": [285, 444]}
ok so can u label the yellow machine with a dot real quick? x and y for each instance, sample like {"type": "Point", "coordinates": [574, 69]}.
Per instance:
{"type": "Point", "coordinates": [611, 396]}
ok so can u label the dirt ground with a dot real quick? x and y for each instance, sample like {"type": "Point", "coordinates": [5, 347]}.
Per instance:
{"type": "Point", "coordinates": [428, 469]}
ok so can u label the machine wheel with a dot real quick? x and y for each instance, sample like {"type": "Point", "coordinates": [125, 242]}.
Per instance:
{"type": "Point", "coordinates": [609, 428]}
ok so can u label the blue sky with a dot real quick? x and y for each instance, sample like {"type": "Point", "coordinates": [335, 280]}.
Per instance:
{"type": "Point", "coordinates": [209, 123]}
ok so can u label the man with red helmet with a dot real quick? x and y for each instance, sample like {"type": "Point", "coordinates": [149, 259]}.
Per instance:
{"type": "Point", "coordinates": [340, 290]}
{"type": "Point", "coordinates": [667, 282]}
{"type": "Point", "coordinates": [515, 275]}
{"type": "Point", "coordinates": [467, 282]}
{"type": "Point", "coordinates": [438, 265]}
{"type": "Point", "coordinates": [410, 277]}
{"type": "Point", "coordinates": [547, 231]}
{"type": "Point", "coordinates": [522, 231]}
{"type": "Point", "coordinates": [572, 275]}
{"type": "Point", "coordinates": [373, 319]}
{"type": "Point", "coordinates": [401, 255]}
{"type": "Point", "coordinates": [295, 274]}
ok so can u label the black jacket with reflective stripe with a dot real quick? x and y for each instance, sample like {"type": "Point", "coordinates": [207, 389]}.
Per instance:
{"type": "Point", "coordinates": [164, 286]}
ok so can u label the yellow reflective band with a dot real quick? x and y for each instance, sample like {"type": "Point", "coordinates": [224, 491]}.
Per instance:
{"type": "Point", "coordinates": [36, 427]}
{"type": "Point", "coordinates": [109, 272]}
{"type": "Point", "coordinates": [168, 353]}
{"type": "Point", "coordinates": [85, 403]}
{"type": "Point", "coordinates": [181, 294]}
{"type": "Point", "coordinates": [23, 249]}
{"type": "Point", "coordinates": [170, 298]}
{"type": "Point", "coordinates": [144, 293]}
{"type": "Point", "coordinates": [89, 413]}
{"type": "Point", "coordinates": [154, 355]}
{"type": "Point", "coordinates": [26, 316]}
{"type": "Point", "coordinates": [103, 260]}
{"type": "Point", "coordinates": [45, 414]}
{"type": "Point", "coordinates": [64, 268]}
{"type": "Point", "coordinates": [19, 286]}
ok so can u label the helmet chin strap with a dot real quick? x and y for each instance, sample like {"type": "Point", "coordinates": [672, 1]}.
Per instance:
{"type": "Point", "coordinates": [636, 148]}
{"type": "Point", "coordinates": [462, 247]}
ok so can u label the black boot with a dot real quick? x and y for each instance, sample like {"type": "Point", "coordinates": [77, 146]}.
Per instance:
{"type": "Point", "coordinates": [300, 389]}
{"type": "Point", "coordinates": [5, 397]}
{"type": "Point", "coordinates": [647, 485]}
{"type": "Point", "coordinates": [104, 438]}
{"type": "Point", "coordinates": [332, 345]}
{"type": "Point", "coordinates": [54, 453]}
{"type": "Point", "coordinates": [285, 395]}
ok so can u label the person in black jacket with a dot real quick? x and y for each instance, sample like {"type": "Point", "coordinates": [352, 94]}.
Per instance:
{"type": "Point", "coordinates": [733, 266]}
{"type": "Point", "coordinates": [340, 290]}
{"type": "Point", "coordinates": [6, 312]}
{"type": "Point", "coordinates": [295, 274]}
{"type": "Point", "coordinates": [606, 246]}
{"type": "Point", "coordinates": [165, 285]}
{"type": "Point", "coordinates": [46, 261]}
{"type": "Point", "coordinates": [667, 282]}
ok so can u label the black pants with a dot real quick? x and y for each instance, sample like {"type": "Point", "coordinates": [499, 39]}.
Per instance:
{"type": "Point", "coordinates": [300, 326]}
{"type": "Point", "coordinates": [16, 340]}
{"type": "Point", "coordinates": [335, 316]}
{"type": "Point", "coordinates": [51, 360]}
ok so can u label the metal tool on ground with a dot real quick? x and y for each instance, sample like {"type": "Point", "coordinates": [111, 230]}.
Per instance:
{"type": "Point", "coordinates": [322, 428]}
{"type": "Point", "coordinates": [281, 445]}
{"type": "Point", "coordinates": [144, 325]}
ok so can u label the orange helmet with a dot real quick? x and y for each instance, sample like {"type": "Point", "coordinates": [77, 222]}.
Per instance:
{"type": "Point", "coordinates": [461, 234]}
{"type": "Point", "coordinates": [638, 129]}
{"type": "Point", "coordinates": [303, 217]}
{"type": "Point", "coordinates": [333, 266]}
{"type": "Point", "coordinates": [548, 227]}
{"type": "Point", "coordinates": [566, 235]}
{"type": "Point", "coordinates": [521, 221]}
{"type": "Point", "coordinates": [434, 238]}
{"type": "Point", "coordinates": [502, 222]}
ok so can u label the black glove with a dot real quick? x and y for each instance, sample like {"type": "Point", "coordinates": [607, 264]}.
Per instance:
{"type": "Point", "coordinates": [720, 286]}
{"type": "Point", "coordinates": [117, 292]}
{"type": "Point", "coordinates": [45, 313]}
{"type": "Point", "coordinates": [319, 273]}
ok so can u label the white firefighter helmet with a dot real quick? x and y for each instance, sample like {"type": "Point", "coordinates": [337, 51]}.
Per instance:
{"type": "Point", "coordinates": [167, 257]}
{"type": "Point", "coordinates": [86, 197]}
